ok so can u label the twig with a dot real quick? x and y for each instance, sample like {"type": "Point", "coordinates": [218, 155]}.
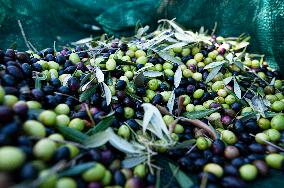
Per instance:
{"type": "Point", "coordinates": [89, 114]}
{"type": "Point", "coordinates": [270, 143]}
{"type": "Point", "coordinates": [23, 34]}
{"type": "Point", "coordinates": [32, 46]}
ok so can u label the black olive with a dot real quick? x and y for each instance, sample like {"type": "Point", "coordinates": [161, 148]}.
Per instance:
{"type": "Point", "coordinates": [73, 84]}
{"type": "Point", "coordinates": [28, 172]}
{"type": "Point", "coordinates": [237, 162]}
{"type": "Point", "coordinates": [61, 153]}
{"type": "Point", "coordinates": [257, 148]}
{"type": "Point", "coordinates": [120, 85]}
{"type": "Point", "coordinates": [15, 72]}
{"type": "Point", "coordinates": [8, 80]}
{"type": "Point", "coordinates": [233, 182]}
{"type": "Point", "coordinates": [38, 94]}
{"type": "Point", "coordinates": [27, 70]}
{"type": "Point", "coordinates": [231, 170]}
{"type": "Point", "coordinates": [60, 59]}
{"type": "Point", "coordinates": [119, 178]}
{"type": "Point", "coordinates": [63, 89]}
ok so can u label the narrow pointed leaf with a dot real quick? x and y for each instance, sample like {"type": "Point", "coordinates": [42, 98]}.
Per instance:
{"type": "Point", "coordinates": [213, 73]}
{"type": "Point", "coordinates": [199, 114]}
{"type": "Point", "coordinates": [183, 180]}
{"type": "Point", "coordinates": [153, 74]}
{"type": "Point", "coordinates": [214, 64]}
{"type": "Point", "coordinates": [237, 89]}
{"type": "Point", "coordinates": [98, 139]}
{"type": "Point", "coordinates": [107, 93]}
{"type": "Point", "coordinates": [99, 75]}
{"type": "Point", "coordinates": [102, 125]}
{"type": "Point", "coordinates": [133, 161]}
{"type": "Point", "coordinates": [72, 134]}
{"type": "Point", "coordinates": [88, 93]}
{"type": "Point", "coordinates": [177, 77]}
{"type": "Point", "coordinates": [168, 57]}
{"type": "Point", "coordinates": [76, 170]}
{"type": "Point", "coordinates": [171, 102]}
{"type": "Point", "coordinates": [228, 80]}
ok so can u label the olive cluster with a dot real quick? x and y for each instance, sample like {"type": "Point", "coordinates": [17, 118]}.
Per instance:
{"type": "Point", "coordinates": [41, 91]}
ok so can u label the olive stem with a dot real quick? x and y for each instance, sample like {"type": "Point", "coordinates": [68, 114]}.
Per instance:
{"type": "Point", "coordinates": [270, 143]}
{"type": "Point", "coordinates": [67, 96]}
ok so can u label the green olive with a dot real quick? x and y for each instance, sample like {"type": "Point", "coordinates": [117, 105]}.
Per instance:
{"type": "Point", "coordinates": [47, 117]}
{"type": "Point", "coordinates": [139, 53]}
{"type": "Point", "coordinates": [178, 129]}
{"type": "Point", "coordinates": [198, 57]}
{"type": "Point", "coordinates": [95, 173]}
{"type": "Point", "coordinates": [280, 96]}
{"type": "Point", "coordinates": [142, 60]}
{"type": "Point", "coordinates": [34, 128]}
{"type": "Point", "coordinates": [110, 64]}
{"type": "Point", "coordinates": [195, 50]}
{"type": "Point", "coordinates": [263, 123]}
{"type": "Point", "coordinates": [228, 137]}
{"type": "Point", "coordinates": [278, 84]}
{"type": "Point", "coordinates": [73, 150]}
{"type": "Point", "coordinates": [2, 94]}
{"type": "Point", "coordinates": [274, 160]}
{"type": "Point", "coordinates": [198, 93]}
{"type": "Point", "coordinates": [49, 179]}
{"type": "Point", "coordinates": [128, 112]}
{"type": "Point", "coordinates": [230, 99]}
{"type": "Point", "coordinates": [215, 169]}
{"type": "Point", "coordinates": [11, 158]}
{"type": "Point", "coordinates": [10, 100]}
{"type": "Point", "coordinates": [124, 131]}
{"type": "Point", "coordinates": [246, 110]}
{"type": "Point", "coordinates": [74, 58]}
{"type": "Point", "coordinates": [277, 122]}
{"type": "Point", "coordinates": [248, 172]}
{"type": "Point", "coordinates": [255, 64]}
{"type": "Point", "coordinates": [187, 73]}
{"type": "Point", "coordinates": [168, 119]}
{"type": "Point", "coordinates": [222, 93]}
{"type": "Point", "coordinates": [66, 182]}
{"type": "Point", "coordinates": [150, 94]}
{"type": "Point", "coordinates": [261, 138]}
{"type": "Point", "coordinates": [33, 105]}
{"type": "Point", "coordinates": [217, 85]}
{"type": "Point", "coordinates": [159, 67]}
{"type": "Point", "coordinates": [57, 138]}
{"type": "Point", "coordinates": [271, 98]}
{"type": "Point", "coordinates": [277, 106]}
{"type": "Point", "coordinates": [107, 178]}
{"type": "Point", "coordinates": [62, 109]}
{"type": "Point", "coordinates": [273, 134]}
{"type": "Point", "coordinates": [167, 65]}
{"type": "Point", "coordinates": [44, 149]}
{"type": "Point", "coordinates": [212, 55]}
{"type": "Point", "coordinates": [197, 76]}
{"type": "Point", "coordinates": [190, 108]}
{"type": "Point", "coordinates": [77, 123]}
{"type": "Point", "coordinates": [169, 72]}
{"type": "Point", "coordinates": [62, 120]}
{"type": "Point", "coordinates": [202, 143]}
{"type": "Point", "coordinates": [53, 65]}
{"type": "Point", "coordinates": [140, 171]}
{"type": "Point", "coordinates": [153, 84]}
{"type": "Point", "coordinates": [185, 52]}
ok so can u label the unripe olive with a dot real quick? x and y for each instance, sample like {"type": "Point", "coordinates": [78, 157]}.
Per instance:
{"type": "Point", "coordinates": [189, 108]}
{"type": "Point", "coordinates": [166, 95]}
{"type": "Point", "coordinates": [174, 137]}
{"type": "Point", "coordinates": [222, 93]}
{"type": "Point", "coordinates": [261, 138]}
{"type": "Point", "coordinates": [263, 123]}
{"type": "Point", "coordinates": [185, 51]}
{"type": "Point", "coordinates": [198, 57]}
{"type": "Point", "coordinates": [277, 122]}
{"type": "Point", "coordinates": [202, 143]}
{"type": "Point", "coordinates": [195, 50]}
{"type": "Point", "coordinates": [280, 96]}
{"type": "Point", "coordinates": [128, 112]}
{"type": "Point", "coordinates": [153, 84]}
{"type": "Point", "coordinates": [228, 137]}
{"type": "Point", "coordinates": [77, 123]}
{"type": "Point", "coordinates": [139, 53]}
{"type": "Point", "coordinates": [95, 173]}
{"type": "Point", "coordinates": [197, 76]}
{"type": "Point", "coordinates": [278, 84]}
{"type": "Point", "coordinates": [140, 170]}
{"type": "Point", "coordinates": [159, 67]}
{"type": "Point", "coordinates": [47, 117]}
{"type": "Point", "coordinates": [150, 94]}
{"type": "Point", "coordinates": [199, 107]}
{"type": "Point", "coordinates": [66, 182]}
{"type": "Point", "coordinates": [107, 178]}
{"type": "Point", "coordinates": [53, 65]}
{"type": "Point", "coordinates": [273, 134]}
{"type": "Point", "coordinates": [33, 105]}
{"type": "Point", "coordinates": [208, 60]}
{"type": "Point", "coordinates": [212, 55]}
{"type": "Point", "coordinates": [129, 74]}
{"type": "Point", "coordinates": [57, 138]}
{"type": "Point", "coordinates": [219, 58]}
{"type": "Point", "coordinates": [191, 62]}
{"type": "Point", "coordinates": [186, 100]}
{"type": "Point", "coordinates": [142, 60]}
{"type": "Point", "coordinates": [271, 98]}
{"type": "Point", "coordinates": [169, 72]}
{"type": "Point", "coordinates": [230, 99]}
{"type": "Point", "coordinates": [62, 120]}
{"type": "Point", "coordinates": [198, 93]}
{"type": "Point", "coordinates": [2, 94]}
{"type": "Point", "coordinates": [178, 129]}
{"type": "Point", "coordinates": [34, 128]}
{"type": "Point", "coordinates": [255, 64]}
{"type": "Point", "coordinates": [74, 58]}
{"type": "Point", "coordinates": [277, 106]}
{"type": "Point", "coordinates": [217, 85]}
{"type": "Point", "coordinates": [73, 150]}
{"type": "Point", "coordinates": [62, 109]}
{"type": "Point", "coordinates": [11, 158]}
{"type": "Point", "coordinates": [110, 64]}
{"type": "Point", "coordinates": [187, 73]}
{"type": "Point", "coordinates": [10, 100]}
{"type": "Point", "coordinates": [124, 131]}
{"type": "Point", "coordinates": [49, 179]}
{"type": "Point", "coordinates": [231, 152]}
{"type": "Point", "coordinates": [274, 160]}
{"type": "Point", "coordinates": [44, 149]}
{"type": "Point", "coordinates": [248, 172]}
{"type": "Point", "coordinates": [213, 168]}
{"type": "Point", "coordinates": [246, 110]}
{"type": "Point", "coordinates": [168, 119]}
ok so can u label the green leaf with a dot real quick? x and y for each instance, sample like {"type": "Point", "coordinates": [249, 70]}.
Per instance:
{"type": "Point", "coordinates": [85, 79]}
{"type": "Point", "coordinates": [183, 180]}
{"type": "Point", "coordinates": [168, 57]}
{"type": "Point", "coordinates": [214, 64]}
{"type": "Point", "coordinates": [87, 94]}
{"type": "Point", "coordinates": [102, 125]}
{"type": "Point", "coordinates": [213, 73]}
{"type": "Point", "coordinates": [184, 144]}
{"type": "Point", "coordinates": [237, 89]}
{"type": "Point", "coordinates": [132, 161]}
{"type": "Point", "coordinates": [72, 134]}
{"type": "Point", "coordinates": [76, 170]}
{"type": "Point", "coordinates": [270, 114]}
{"type": "Point", "coordinates": [98, 139]}
{"type": "Point", "coordinates": [199, 114]}
{"type": "Point", "coordinates": [232, 93]}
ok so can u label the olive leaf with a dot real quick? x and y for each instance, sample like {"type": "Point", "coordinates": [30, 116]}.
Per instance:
{"type": "Point", "coordinates": [99, 75]}
{"type": "Point", "coordinates": [237, 89]}
{"type": "Point", "coordinates": [98, 139]}
{"type": "Point", "coordinates": [141, 31]}
{"type": "Point", "coordinates": [139, 79]}
{"type": "Point", "coordinates": [213, 73]}
{"type": "Point", "coordinates": [168, 57]}
{"type": "Point", "coordinates": [171, 102]}
{"type": "Point", "coordinates": [154, 129]}
{"type": "Point", "coordinates": [72, 134]}
{"type": "Point", "coordinates": [227, 80]}
{"type": "Point", "coordinates": [199, 114]}
{"type": "Point", "coordinates": [184, 144]}
{"type": "Point", "coordinates": [133, 161]}
{"type": "Point", "coordinates": [239, 64]}
{"type": "Point", "coordinates": [88, 93]}
{"type": "Point", "coordinates": [153, 74]}
{"type": "Point", "coordinates": [173, 24]}
{"type": "Point", "coordinates": [82, 41]}
{"type": "Point", "coordinates": [183, 180]}
{"type": "Point", "coordinates": [240, 45]}
{"type": "Point", "coordinates": [84, 87]}
{"type": "Point", "coordinates": [176, 45]}
{"type": "Point", "coordinates": [102, 125]}
{"type": "Point", "coordinates": [143, 68]}
{"type": "Point", "coordinates": [152, 115]}
{"type": "Point", "coordinates": [214, 64]}
{"type": "Point", "coordinates": [76, 170]}
{"type": "Point", "coordinates": [156, 40]}
{"type": "Point", "coordinates": [177, 77]}
{"type": "Point", "coordinates": [272, 81]}
{"type": "Point", "coordinates": [107, 93]}
{"type": "Point", "coordinates": [86, 77]}
{"type": "Point", "coordinates": [229, 57]}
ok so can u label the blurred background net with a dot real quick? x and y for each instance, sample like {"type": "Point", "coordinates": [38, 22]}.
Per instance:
{"type": "Point", "coordinates": [65, 21]}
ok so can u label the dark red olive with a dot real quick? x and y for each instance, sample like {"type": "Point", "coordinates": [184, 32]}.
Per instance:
{"type": "Point", "coordinates": [218, 146]}
{"type": "Point", "coordinates": [21, 108]}
{"type": "Point", "coordinates": [261, 167]}
{"type": "Point", "coordinates": [231, 152]}
{"type": "Point", "coordinates": [73, 84]}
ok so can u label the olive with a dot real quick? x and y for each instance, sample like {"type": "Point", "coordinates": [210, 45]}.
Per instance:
{"type": "Point", "coordinates": [61, 154]}
{"type": "Point", "coordinates": [95, 173]}
{"type": "Point", "coordinates": [215, 169]}
{"type": "Point", "coordinates": [229, 137]}
{"type": "Point", "coordinates": [134, 183]}
{"type": "Point", "coordinates": [231, 170]}
{"type": "Point", "coordinates": [47, 117]}
{"type": "Point", "coordinates": [248, 172]}
{"type": "Point", "coordinates": [202, 143]}
{"type": "Point", "coordinates": [28, 172]}
{"type": "Point", "coordinates": [73, 84]}
{"type": "Point", "coordinates": [277, 122]}
{"type": "Point", "coordinates": [6, 114]}
{"type": "Point", "coordinates": [232, 182]}
{"type": "Point", "coordinates": [66, 182]}
{"type": "Point", "coordinates": [256, 148]}
{"type": "Point", "coordinates": [11, 158]}
{"type": "Point", "coordinates": [119, 178]}
{"type": "Point", "coordinates": [274, 160]}
{"type": "Point", "coordinates": [15, 72]}
{"type": "Point", "coordinates": [140, 171]}
{"type": "Point", "coordinates": [120, 85]}
{"type": "Point", "coordinates": [261, 167]}
{"type": "Point", "coordinates": [231, 152]}
{"type": "Point", "coordinates": [8, 80]}
{"type": "Point", "coordinates": [218, 146]}
{"type": "Point", "coordinates": [77, 123]}
{"type": "Point", "coordinates": [34, 128]}
{"type": "Point", "coordinates": [44, 149]}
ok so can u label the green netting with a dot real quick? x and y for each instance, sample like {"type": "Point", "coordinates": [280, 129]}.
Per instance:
{"type": "Point", "coordinates": [46, 21]}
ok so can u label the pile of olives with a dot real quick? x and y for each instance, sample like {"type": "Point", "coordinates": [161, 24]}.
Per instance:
{"type": "Point", "coordinates": [41, 91]}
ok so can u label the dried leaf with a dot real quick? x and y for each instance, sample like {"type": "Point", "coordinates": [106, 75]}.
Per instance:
{"type": "Point", "coordinates": [214, 64]}
{"type": "Point", "coordinates": [213, 73]}
{"type": "Point", "coordinates": [183, 180]}
{"type": "Point", "coordinates": [199, 114]}
{"type": "Point", "coordinates": [237, 89]}
{"type": "Point", "coordinates": [171, 102]}
{"type": "Point", "coordinates": [99, 75]}
{"type": "Point", "coordinates": [153, 74]}
{"type": "Point", "coordinates": [177, 77]}
{"type": "Point", "coordinates": [133, 161]}
{"type": "Point", "coordinates": [107, 93]}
